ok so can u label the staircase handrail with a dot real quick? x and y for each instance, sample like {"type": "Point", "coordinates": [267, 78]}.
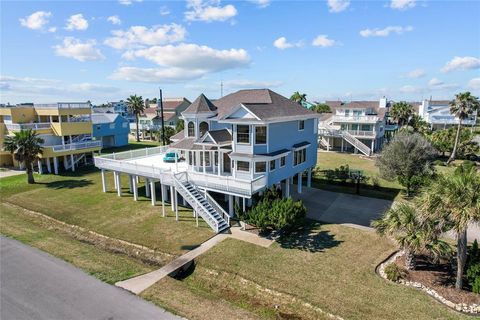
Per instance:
{"type": "Point", "coordinates": [217, 207]}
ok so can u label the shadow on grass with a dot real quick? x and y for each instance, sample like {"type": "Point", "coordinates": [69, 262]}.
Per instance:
{"type": "Point", "coordinates": [68, 184]}
{"type": "Point", "coordinates": [309, 238]}
{"type": "Point", "coordinates": [189, 246]}
{"type": "Point", "coordinates": [366, 190]}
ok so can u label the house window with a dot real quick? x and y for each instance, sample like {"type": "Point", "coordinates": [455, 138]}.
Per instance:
{"type": "Point", "coordinates": [191, 129]}
{"type": "Point", "coordinates": [282, 161]}
{"type": "Point", "coordinates": [243, 134]}
{"type": "Point", "coordinates": [99, 127]}
{"type": "Point", "coordinates": [301, 124]}
{"type": "Point", "coordinates": [112, 125]}
{"type": "Point", "coordinates": [272, 165]}
{"type": "Point", "coordinates": [125, 125]}
{"type": "Point", "coordinates": [191, 157]}
{"type": "Point", "coordinates": [365, 127]}
{"type": "Point", "coordinates": [347, 112]}
{"type": "Point", "coordinates": [243, 166]}
{"type": "Point", "coordinates": [260, 167]}
{"type": "Point", "coordinates": [171, 123]}
{"type": "Point", "coordinates": [207, 158]}
{"type": "Point", "coordinates": [203, 128]}
{"type": "Point", "coordinates": [299, 156]}
{"type": "Point", "coordinates": [261, 135]}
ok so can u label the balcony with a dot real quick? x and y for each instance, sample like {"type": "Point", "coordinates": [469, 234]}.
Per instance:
{"type": "Point", "coordinates": [56, 109]}
{"type": "Point", "coordinates": [43, 127]}
{"type": "Point", "coordinates": [356, 119]}
{"type": "Point", "coordinates": [77, 146]}
{"type": "Point", "coordinates": [72, 128]}
{"type": "Point", "coordinates": [361, 133]}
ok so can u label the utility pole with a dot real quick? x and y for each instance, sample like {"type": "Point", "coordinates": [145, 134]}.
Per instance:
{"type": "Point", "coordinates": [161, 115]}
{"type": "Point", "coordinates": [221, 89]}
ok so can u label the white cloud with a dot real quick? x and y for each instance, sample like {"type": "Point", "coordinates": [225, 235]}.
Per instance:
{"type": "Point", "coordinates": [52, 29]}
{"type": "Point", "coordinates": [474, 84]}
{"type": "Point", "coordinates": [415, 74]}
{"type": "Point", "coordinates": [402, 4]}
{"type": "Point", "coordinates": [128, 2]}
{"type": "Point", "coordinates": [434, 82]}
{"type": "Point", "coordinates": [338, 5]}
{"type": "Point", "coordinates": [249, 84]}
{"type": "Point", "coordinates": [76, 22]}
{"type": "Point", "coordinates": [462, 63]}
{"type": "Point", "coordinates": [164, 11]}
{"type": "Point", "coordinates": [261, 3]}
{"type": "Point", "coordinates": [114, 20]}
{"type": "Point", "coordinates": [37, 20]}
{"type": "Point", "coordinates": [385, 31]}
{"type": "Point", "coordinates": [282, 43]}
{"type": "Point", "coordinates": [78, 50]}
{"type": "Point", "coordinates": [141, 35]}
{"type": "Point", "coordinates": [411, 89]}
{"type": "Point", "coordinates": [210, 10]}
{"type": "Point", "coordinates": [323, 41]}
{"type": "Point", "coordinates": [181, 62]}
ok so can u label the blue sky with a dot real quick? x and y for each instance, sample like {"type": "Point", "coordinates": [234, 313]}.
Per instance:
{"type": "Point", "coordinates": [337, 49]}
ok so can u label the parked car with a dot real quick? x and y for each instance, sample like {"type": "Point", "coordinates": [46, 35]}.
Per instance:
{"type": "Point", "coordinates": [171, 157]}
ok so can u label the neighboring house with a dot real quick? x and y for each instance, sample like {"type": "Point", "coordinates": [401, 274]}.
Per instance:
{"type": "Point", "coordinates": [172, 110]}
{"type": "Point", "coordinates": [110, 128]}
{"type": "Point", "coordinates": [147, 121]}
{"type": "Point", "coordinates": [355, 126]}
{"type": "Point", "coordinates": [65, 127]}
{"type": "Point", "coordinates": [437, 114]}
{"type": "Point", "coordinates": [236, 147]}
{"type": "Point", "coordinates": [121, 108]}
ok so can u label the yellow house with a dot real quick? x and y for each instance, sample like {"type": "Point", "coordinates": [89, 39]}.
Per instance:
{"type": "Point", "coordinates": [65, 127]}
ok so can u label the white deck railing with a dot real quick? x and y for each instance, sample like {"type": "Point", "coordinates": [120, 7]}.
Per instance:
{"type": "Point", "coordinates": [359, 119]}
{"type": "Point", "coordinates": [25, 126]}
{"type": "Point", "coordinates": [63, 105]}
{"type": "Point", "coordinates": [362, 133]}
{"type": "Point", "coordinates": [75, 146]}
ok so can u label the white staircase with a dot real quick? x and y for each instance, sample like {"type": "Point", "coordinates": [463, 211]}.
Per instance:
{"type": "Point", "coordinates": [329, 131]}
{"type": "Point", "coordinates": [76, 159]}
{"type": "Point", "coordinates": [203, 204]}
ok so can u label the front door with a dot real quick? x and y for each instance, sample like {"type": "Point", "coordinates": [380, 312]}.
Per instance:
{"type": "Point", "coordinates": [226, 163]}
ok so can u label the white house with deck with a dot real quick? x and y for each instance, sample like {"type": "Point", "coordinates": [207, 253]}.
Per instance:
{"type": "Point", "coordinates": [232, 148]}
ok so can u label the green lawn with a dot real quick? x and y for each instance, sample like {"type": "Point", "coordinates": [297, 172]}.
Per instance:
{"type": "Point", "coordinates": [132, 145]}
{"type": "Point", "coordinates": [77, 198]}
{"type": "Point", "coordinates": [330, 267]}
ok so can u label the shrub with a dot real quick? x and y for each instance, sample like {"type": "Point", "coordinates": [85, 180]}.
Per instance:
{"type": "Point", "coordinates": [476, 285]}
{"type": "Point", "coordinates": [439, 163]}
{"type": "Point", "coordinates": [376, 182]}
{"type": "Point", "coordinates": [473, 277]}
{"type": "Point", "coordinates": [394, 272]}
{"type": "Point", "coordinates": [468, 164]}
{"type": "Point", "coordinates": [341, 173]}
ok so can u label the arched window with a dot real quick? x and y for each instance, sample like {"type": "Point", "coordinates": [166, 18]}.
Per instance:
{"type": "Point", "coordinates": [203, 128]}
{"type": "Point", "coordinates": [191, 129]}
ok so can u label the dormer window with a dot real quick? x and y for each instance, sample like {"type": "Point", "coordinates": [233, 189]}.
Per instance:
{"type": "Point", "coordinates": [203, 128]}
{"type": "Point", "coordinates": [191, 129]}
{"type": "Point", "coordinates": [301, 125]}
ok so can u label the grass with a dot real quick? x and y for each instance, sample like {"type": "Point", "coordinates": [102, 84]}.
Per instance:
{"type": "Point", "coordinates": [132, 145]}
{"type": "Point", "coordinates": [77, 198]}
{"type": "Point", "coordinates": [105, 266]}
{"type": "Point", "coordinates": [330, 267]}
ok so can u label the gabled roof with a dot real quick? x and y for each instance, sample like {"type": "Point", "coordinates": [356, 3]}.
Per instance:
{"type": "Point", "coordinates": [201, 105]}
{"type": "Point", "coordinates": [178, 136]}
{"type": "Point", "coordinates": [98, 118]}
{"type": "Point", "coordinates": [222, 136]}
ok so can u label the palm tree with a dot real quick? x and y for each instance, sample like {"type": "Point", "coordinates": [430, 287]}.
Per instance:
{"type": "Point", "coordinates": [136, 106]}
{"type": "Point", "coordinates": [418, 124]}
{"type": "Point", "coordinates": [413, 234]}
{"type": "Point", "coordinates": [401, 112]}
{"type": "Point", "coordinates": [25, 146]}
{"type": "Point", "coordinates": [455, 200]}
{"type": "Point", "coordinates": [464, 106]}
{"type": "Point", "coordinates": [298, 97]}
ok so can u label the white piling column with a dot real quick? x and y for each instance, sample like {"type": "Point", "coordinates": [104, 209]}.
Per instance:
{"type": "Point", "coordinates": [230, 205]}
{"type": "Point", "coordinates": [243, 204]}
{"type": "Point", "coordinates": [119, 184]}
{"type": "Point", "coordinates": [135, 188]}
{"type": "Point", "coordinates": [196, 216]}
{"type": "Point", "coordinates": [309, 177]}
{"type": "Point", "coordinates": [55, 165]}
{"type": "Point", "coordinates": [152, 192]}
{"type": "Point", "coordinates": [104, 181]}
{"type": "Point", "coordinates": [65, 162]}
{"type": "Point", "coordinates": [73, 163]}
{"type": "Point", "coordinates": [287, 188]}
{"type": "Point", "coordinates": [49, 165]}
{"type": "Point", "coordinates": [299, 183]}
{"type": "Point", "coordinates": [176, 205]}
{"type": "Point", "coordinates": [130, 183]}
{"type": "Point", "coordinates": [40, 168]}
{"type": "Point", "coordinates": [172, 198]}
{"type": "Point", "coordinates": [115, 179]}
{"type": "Point", "coordinates": [147, 187]}
{"type": "Point", "coordinates": [162, 187]}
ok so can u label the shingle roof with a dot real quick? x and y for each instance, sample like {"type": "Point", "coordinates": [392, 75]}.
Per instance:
{"type": "Point", "coordinates": [221, 136]}
{"type": "Point", "coordinates": [178, 136]}
{"type": "Point", "coordinates": [188, 144]}
{"type": "Point", "coordinates": [200, 105]}
{"type": "Point", "coordinates": [98, 118]}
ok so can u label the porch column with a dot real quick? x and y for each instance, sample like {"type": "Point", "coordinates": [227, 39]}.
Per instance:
{"type": "Point", "coordinates": [342, 143]}
{"type": "Point", "coordinates": [230, 205]}
{"type": "Point", "coordinates": [55, 165]}
{"type": "Point", "coordinates": [328, 143]}
{"type": "Point", "coordinates": [220, 162]}
{"type": "Point", "coordinates": [73, 164]}
{"type": "Point", "coordinates": [287, 187]}
{"type": "Point", "coordinates": [40, 169]}
{"type": "Point", "coordinates": [309, 177]}
{"type": "Point", "coordinates": [176, 162]}
{"type": "Point", "coordinates": [176, 205]}
{"type": "Point", "coordinates": [162, 187]}
{"type": "Point", "coordinates": [172, 197]}
{"type": "Point", "coordinates": [243, 204]}
{"type": "Point", "coordinates": [135, 189]}
{"type": "Point", "coordinates": [130, 183]}
{"type": "Point", "coordinates": [104, 182]}
{"type": "Point", "coordinates": [203, 149]}
{"type": "Point", "coordinates": [65, 162]}
{"type": "Point", "coordinates": [119, 185]}
{"type": "Point", "coordinates": [152, 192]}
{"type": "Point", "coordinates": [372, 145]}
{"type": "Point", "coordinates": [115, 179]}
{"type": "Point", "coordinates": [147, 187]}
{"type": "Point", "coordinates": [49, 165]}
{"type": "Point", "coordinates": [299, 182]}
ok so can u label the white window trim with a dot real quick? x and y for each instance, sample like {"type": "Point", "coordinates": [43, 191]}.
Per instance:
{"type": "Point", "coordinates": [250, 138]}
{"type": "Point", "coordinates": [298, 125]}
{"type": "Point", "coordinates": [280, 161]}
{"type": "Point", "coordinates": [249, 166]}
{"type": "Point", "coordinates": [270, 168]}
{"type": "Point", "coordinates": [255, 135]}
{"type": "Point", "coordinates": [293, 158]}
{"type": "Point", "coordinates": [255, 164]}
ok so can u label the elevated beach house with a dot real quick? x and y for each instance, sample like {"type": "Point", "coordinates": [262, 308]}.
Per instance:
{"type": "Point", "coordinates": [233, 147]}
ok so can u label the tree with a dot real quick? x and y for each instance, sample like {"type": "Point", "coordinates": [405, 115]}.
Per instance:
{"type": "Point", "coordinates": [180, 125]}
{"type": "Point", "coordinates": [464, 106]}
{"type": "Point", "coordinates": [321, 108]}
{"type": "Point", "coordinates": [136, 107]}
{"type": "Point", "coordinates": [169, 132]}
{"type": "Point", "coordinates": [418, 124]}
{"type": "Point", "coordinates": [455, 199]}
{"type": "Point", "coordinates": [298, 97]}
{"type": "Point", "coordinates": [412, 233]}
{"type": "Point", "coordinates": [444, 141]}
{"type": "Point", "coordinates": [408, 158]}
{"type": "Point", "coordinates": [401, 112]}
{"type": "Point", "coordinates": [25, 146]}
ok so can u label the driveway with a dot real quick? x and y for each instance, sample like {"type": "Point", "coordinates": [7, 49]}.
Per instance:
{"type": "Point", "coordinates": [335, 207]}
{"type": "Point", "coordinates": [35, 285]}
{"type": "Point", "coordinates": [10, 172]}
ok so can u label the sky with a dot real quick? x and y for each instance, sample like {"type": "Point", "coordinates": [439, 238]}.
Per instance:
{"type": "Point", "coordinates": [331, 50]}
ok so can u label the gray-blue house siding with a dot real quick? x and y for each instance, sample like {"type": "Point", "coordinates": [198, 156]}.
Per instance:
{"type": "Point", "coordinates": [111, 128]}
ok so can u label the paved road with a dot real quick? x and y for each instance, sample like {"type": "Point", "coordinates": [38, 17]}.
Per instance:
{"type": "Point", "coordinates": [35, 285]}
{"type": "Point", "coordinates": [335, 207]}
